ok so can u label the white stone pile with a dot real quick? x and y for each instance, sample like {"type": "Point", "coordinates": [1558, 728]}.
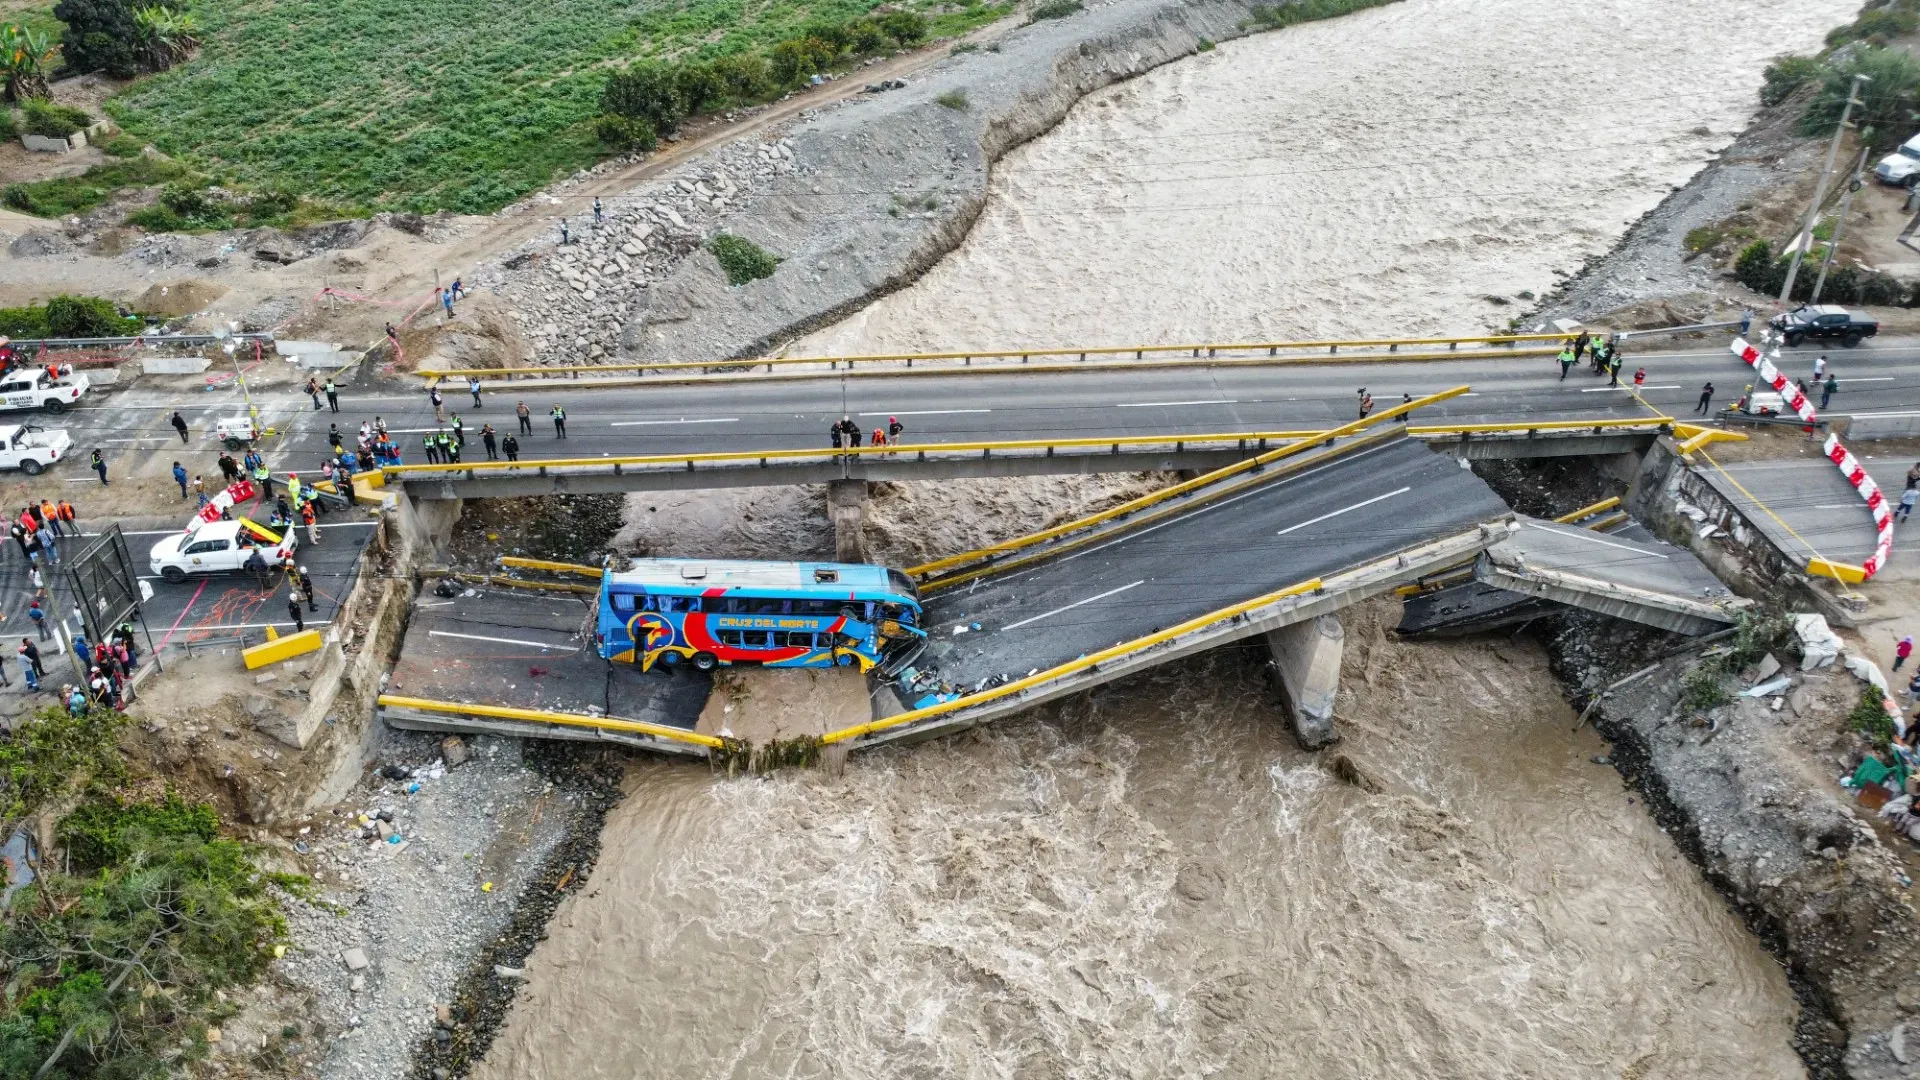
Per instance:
{"type": "Point", "coordinates": [572, 300]}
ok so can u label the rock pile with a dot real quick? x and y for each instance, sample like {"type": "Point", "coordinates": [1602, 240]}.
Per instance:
{"type": "Point", "coordinates": [571, 300]}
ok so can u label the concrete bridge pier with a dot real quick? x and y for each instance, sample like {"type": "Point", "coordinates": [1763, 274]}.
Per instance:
{"type": "Point", "coordinates": [847, 503]}
{"type": "Point", "coordinates": [1306, 661]}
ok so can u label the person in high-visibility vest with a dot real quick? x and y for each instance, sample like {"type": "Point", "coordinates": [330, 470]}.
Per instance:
{"type": "Point", "coordinates": [293, 488]}
{"type": "Point", "coordinates": [264, 477]}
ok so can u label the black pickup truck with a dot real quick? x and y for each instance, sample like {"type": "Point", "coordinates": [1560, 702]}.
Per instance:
{"type": "Point", "coordinates": [1824, 322]}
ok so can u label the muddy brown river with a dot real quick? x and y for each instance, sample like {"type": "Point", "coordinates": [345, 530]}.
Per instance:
{"type": "Point", "coordinates": [1153, 881]}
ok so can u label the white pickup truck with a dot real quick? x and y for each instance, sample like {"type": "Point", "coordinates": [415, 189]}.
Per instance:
{"type": "Point", "coordinates": [30, 448]}
{"type": "Point", "coordinates": [33, 388]}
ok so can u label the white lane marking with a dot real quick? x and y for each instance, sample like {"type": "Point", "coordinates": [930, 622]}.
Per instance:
{"type": "Point", "coordinates": [926, 412]}
{"type": "Point", "coordinates": [1173, 404]}
{"type": "Point", "coordinates": [683, 420]}
{"type": "Point", "coordinates": [1347, 510]}
{"type": "Point", "coordinates": [1604, 389]}
{"type": "Point", "coordinates": [1075, 604]}
{"type": "Point", "coordinates": [312, 624]}
{"type": "Point", "coordinates": [1189, 515]}
{"type": "Point", "coordinates": [500, 640]}
{"type": "Point", "coordinates": [1876, 378]}
{"type": "Point", "coordinates": [1584, 534]}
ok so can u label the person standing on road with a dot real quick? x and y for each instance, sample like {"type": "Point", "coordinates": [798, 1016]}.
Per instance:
{"type": "Point", "coordinates": [834, 433]}
{"type": "Point", "coordinates": [47, 544]}
{"type": "Point", "coordinates": [334, 438]}
{"type": "Point", "coordinates": [1580, 345]}
{"type": "Point", "coordinates": [511, 446]}
{"type": "Point", "coordinates": [450, 450]}
{"type": "Point", "coordinates": [431, 447]}
{"type": "Point", "coordinates": [39, 618]}
{"type": "Point", "coordinates": [894, 428]}
{"type": "Point", "coordinates": [487, 440]}
{"type": "Point", "coordinates": [459, 431]}
{"type": "Point", "coordinates": [180, 477]}
{"type": "Point", "coordinates": [1366, 403]}
{"type": "Point", "coordinates": [439, 410]}
{"type": "Point", "coordinates": [1746, 321]}
{"type": "Point", "coordinates": [1901, 650]}
{"type": "Point", "coordinates": [179, 424]}
{"type": "Point", "coordinates": [100, 466]}
{"type": "Point", "coordinates": [853, 433]}
{"type": "Point", "coordinates": [333, 396]}
{"type": "Point", "coordinates": [1566, 358]}
{"type": "Point", "coordinates": [313, 390]}
{"type": "Point", "coordinates": [526, 418]}
{"type": "Point", "coordinates": [294, 612]}
{"type": "Point", "coordinates": [1639, 378]}
{"type": "Point", "coordinates": [31, 653]}
{"type": "Point", "coordinates": [19, 534]}
{"type": "Point", "coordinates": [200, 489]}
{"type": "Point", "coordinates": [446, 301]}
{"type": "Point", "coordinates": [1819, 367]}
{"type": "Point", "coordinates": [51, 515]}
{"type": "Point", "coordinates": [65, 510]}
{"type": "Point", "coordinates": [559, 421]}
{"type": "Point", "coordinates": [1706, 399]}
{"type": "Point", "coordinates": [1913, 476]}
{"type": "Point", "coordinates": [263, 476]}
{"type": "Point", "coordinates": [1613, 370]}
{"type": "Point", "coordinates": [304, 582]}
{"type": "Point", "coordinates": [311, 521]}
{"type": "Point", "coordinates": [473, 387]}
{"type": "Point", "coordinates": [1828, 389]}
{"type": "Point", "coordinates": [1907, 499]}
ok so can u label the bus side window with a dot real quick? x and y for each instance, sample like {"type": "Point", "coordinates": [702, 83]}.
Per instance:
{"type": "Point", "coordinates": [732, 637]}
{"type": "Point", "coordinates": [799, 640]}
{"type": "Point", "coordinates": [648, 603]}
{"type": "Point", "coordinates": [622, 602]}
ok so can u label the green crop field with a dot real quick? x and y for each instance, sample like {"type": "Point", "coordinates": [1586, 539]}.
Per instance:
{"type": "Point", "coordinates": [433, 104]}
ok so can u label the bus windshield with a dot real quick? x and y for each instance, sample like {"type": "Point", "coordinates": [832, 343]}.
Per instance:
{"type": "Point", "coordinates": [779, 614]}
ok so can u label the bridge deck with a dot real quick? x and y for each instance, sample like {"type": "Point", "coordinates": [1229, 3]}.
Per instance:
{"type": "Point", "coordinates": [1349, 511]}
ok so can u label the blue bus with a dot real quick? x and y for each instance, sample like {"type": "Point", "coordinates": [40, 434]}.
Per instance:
{"type": "Point", "coordinates": [711, 612]}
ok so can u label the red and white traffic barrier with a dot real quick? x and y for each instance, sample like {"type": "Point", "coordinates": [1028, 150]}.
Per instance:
{"type": "Point", "coordinates": [1842, 457]}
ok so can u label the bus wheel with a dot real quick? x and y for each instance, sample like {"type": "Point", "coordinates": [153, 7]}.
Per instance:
{"type": "Point", "coordinates": [705, 661]}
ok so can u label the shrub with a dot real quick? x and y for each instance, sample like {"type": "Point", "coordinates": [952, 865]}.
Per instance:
{"type": "Point", "coordinates": [745, 76]}
{"type": "Point", "coordinates": [1060, 9]}
{"type": "Point", "coordinates": [1704, 687]}
{"type": "Point", "coordinates": [905, 27]}
{"type": "Point", "coordinates": [264, 206]}
{"type": "Point", "coordinates": [1757, 269]}
{"type": "Point", "coordinates": [101, 35]}
{"type": "Point", "coordinates": [1784, 76]}
{"type": "Point", "coordinates": [102, 831]}
{"type": "Point", "coordinates": [794, 60]}
{"type": "Point", "coordinates": [1888, 101]}
{"type": "Point", "coordinates": [55, 121]}
{"type": "Point", "coordinates": [699, 86]}
{"type": "Point", "coordinates": [1877, 25]}
{"type": "Point", "coordinates": [1869, 717]}
{"type": "Point", "coordinates": [9, 127]}
{"type": "Point", "coordinates": [78, 194]}
{"type": "Point", "coordinates": [1203, 45]}
{"type": "Point", "coordinates": [121, 146]}
{"type": "Point", "coordinates": [84, 317]}
{"type": "Point", "coordinates": [649, 92]}
{"type": "Point", "coordinates": [742, 259]}
{"type": "Point", "coordinates": [625, 132]}
{"type": "Point", "coordinates": [25, 323]}
{"type": "Point", "coordinates": [952, 99]}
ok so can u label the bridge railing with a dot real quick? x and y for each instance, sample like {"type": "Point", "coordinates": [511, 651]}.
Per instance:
{"type": "Point", "coordinates": [1356, 349]}
{"type": "Point", "coordinates": [1252, 442]}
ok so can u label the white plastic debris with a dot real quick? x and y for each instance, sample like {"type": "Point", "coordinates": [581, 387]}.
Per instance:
{"type": "Point", "coordinates": [1777, 686]}
{"type": "Point", "coordinates": [1819, 645]}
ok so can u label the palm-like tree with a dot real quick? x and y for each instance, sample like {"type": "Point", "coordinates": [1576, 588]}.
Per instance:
{"type": "Point", "coordinates": [26, 54]}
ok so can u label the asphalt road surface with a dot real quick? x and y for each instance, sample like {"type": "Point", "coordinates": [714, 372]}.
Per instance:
{"type": "Point", "coordinates": [1361, 507]}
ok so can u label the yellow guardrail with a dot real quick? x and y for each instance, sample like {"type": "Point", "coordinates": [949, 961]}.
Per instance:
{"type": "Point", "coordinates": [1169, 492]}
{"type": "Point", "coordinates": [579, 720]}
{"type": "Point", "coordinates": [1204, 350]}
{"type": "Point", "coordinates": [1068, 668]}
{"type": "Point", "coordinates": [518, 563]}
{"type": "Point", "coordinates": [537, 466]}
{"type": "Point", "coordinates": [1588, 511]}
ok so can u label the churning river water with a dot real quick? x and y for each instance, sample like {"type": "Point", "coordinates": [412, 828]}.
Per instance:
{"type": "Point", "coordinates": [1153, 881]}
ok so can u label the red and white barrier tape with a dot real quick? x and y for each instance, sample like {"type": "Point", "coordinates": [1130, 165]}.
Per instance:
{"type": "Point", "coordinates": [1843, 458]}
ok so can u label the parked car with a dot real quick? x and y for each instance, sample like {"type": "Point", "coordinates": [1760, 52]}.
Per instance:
{"type": "Point", "coordinates": [1824, 322]}
{"type": "Point", "coordinates": [1902, 167]}
{"type": "Point", "coordinates": [217, 547]}
{"type": "Point", "coordinates": [31, 448]}
{"type": "Point", "coordinates": [34, 388]}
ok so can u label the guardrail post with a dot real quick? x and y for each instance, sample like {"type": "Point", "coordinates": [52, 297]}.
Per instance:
{"type": "Point", "coordinates": [1452, 345]}
{"type": "Point", "coordinates": [921, 456]}
{"type": "Point", "coordinates": [1263, 444]}
{"type": "Point", "coordinates": [763, 463]}
{"type": "Point", "coordinates": [1273, 351]}
{"type": "Point", "coordinates": [1023, 358]}
{"type": "Point", "coordinates": [1333, 349]}
{"type": "Point", "coordinates": [1179, 446]}
{"type": "Point", "coordinates": [616, 468]}
{"type": "Point", "coordinates": [469, 474]}
{"type": "Point", "coordinates": [1393, 347]}
{"type": "Point", "coordinates": [966, 361]}
{"type": "Point", "coordinates": [575, 373]}
{"type": "Point", "coordinates": [1196, 352]}
{"type": "Point", "coordinates": [1139, 354]}
{"type": "Point", "coordinates": [543, 470]}
{"type": "Point", "coordinates": [1083, 356]}
{"type": "Point", "coordinates": [909, 361]}
{"type": "Point", "coordinates": [1049, 451]}
{"type": "Point", "coordinates": [1116, 448]}
{"type": "Point", "coordinates": [1211, 353]}
{"type": "Point", "coordinates": [987, 453]}
{"type": "Point", "coordinates": [689, 466]}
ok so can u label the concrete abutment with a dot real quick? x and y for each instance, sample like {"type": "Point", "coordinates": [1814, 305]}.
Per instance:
{"type": "Point", "coordinates": [847, 504]}
{"type": "Point", "coordinates": [1306, 665]}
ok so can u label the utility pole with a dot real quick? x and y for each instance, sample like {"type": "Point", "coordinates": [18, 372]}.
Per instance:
{"type": "Point", "coordinates": [1804, 238]}
{"type": "Point", "coordinates": [1840, 223]}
